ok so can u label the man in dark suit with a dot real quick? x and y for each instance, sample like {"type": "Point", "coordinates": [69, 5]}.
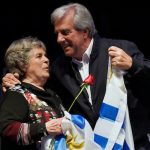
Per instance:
{"type": "Point", "coordinates": [87, 53]}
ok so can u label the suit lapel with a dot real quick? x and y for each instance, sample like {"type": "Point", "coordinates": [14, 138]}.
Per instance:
{"type": "Point", "coordinates": [99, 67]}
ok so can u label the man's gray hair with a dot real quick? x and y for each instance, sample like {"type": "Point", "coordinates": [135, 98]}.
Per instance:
{"type": "Point", "coordinates": [82, 19]}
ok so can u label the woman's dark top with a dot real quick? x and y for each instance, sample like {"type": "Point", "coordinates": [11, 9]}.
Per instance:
{"type": "Point", "coordinates": [23, 114]}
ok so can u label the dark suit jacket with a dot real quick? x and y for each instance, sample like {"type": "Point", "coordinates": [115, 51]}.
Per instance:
{"type": "Point", "coordinates": [66, 81]}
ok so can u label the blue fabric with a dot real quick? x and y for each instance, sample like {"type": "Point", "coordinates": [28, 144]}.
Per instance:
{"type": "Point", "coordinates": [78, 120]}
{"type": "Point", "coordinates": [117, 147]}
{"type": "Point", "coordinates": [60, 143]}
{"type": "Point", "coordinates": [108, 112]}
{"type": "Point", "coordinates": [125, 146]}
{"type": "Point", "coordinates": [102, 141]}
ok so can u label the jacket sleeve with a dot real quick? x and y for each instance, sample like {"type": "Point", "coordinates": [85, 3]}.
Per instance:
{"type": "Point", "coordinates": [14, 120]}
{"type": "Point", "coordinates": [141, 65]}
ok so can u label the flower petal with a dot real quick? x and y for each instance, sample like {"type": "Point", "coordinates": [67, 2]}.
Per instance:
{"type": "Point", "coordinates": [89, 80]}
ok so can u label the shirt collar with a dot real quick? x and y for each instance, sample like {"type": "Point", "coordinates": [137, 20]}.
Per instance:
{"type": "Point", "coordinates": [86, 55]}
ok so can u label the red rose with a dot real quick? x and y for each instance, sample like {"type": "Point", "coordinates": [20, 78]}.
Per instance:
{"type": "Point", "coordinates": [88, 81]}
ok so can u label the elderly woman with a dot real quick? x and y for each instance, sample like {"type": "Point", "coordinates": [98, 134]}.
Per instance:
{"type": "Point", "coordinates": [31, 116]}
{"type": "Point", "coordinates": [29, 111]}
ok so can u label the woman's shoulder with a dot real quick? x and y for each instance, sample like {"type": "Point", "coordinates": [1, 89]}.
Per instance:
{"type": "Point", "coordinates": [17, 88]}
{"type": "Point", "coordinates": [14, 96]}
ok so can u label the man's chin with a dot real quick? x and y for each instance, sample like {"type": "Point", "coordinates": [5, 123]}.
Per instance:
{"type": "Point", "coordinates": [68, 55]}
{"type": "Point", "coordinates": [68, 51]}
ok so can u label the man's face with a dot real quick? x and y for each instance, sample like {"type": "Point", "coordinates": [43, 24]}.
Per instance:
{"type": "Point", "coordinates": [71, 40]}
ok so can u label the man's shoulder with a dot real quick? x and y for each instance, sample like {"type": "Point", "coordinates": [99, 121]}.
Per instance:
{"type": "Point", "coordinates": [60, 66]}
{"type": "Point", "coordinates": [61, 61]}
{"type": "Point", "coordinates": [109, 40]}
{"type": "Point", "coordinates": [114, 41]}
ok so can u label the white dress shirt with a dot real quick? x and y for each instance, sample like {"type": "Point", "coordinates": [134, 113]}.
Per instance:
{"type": "Point", "coordinates": [83, 67]}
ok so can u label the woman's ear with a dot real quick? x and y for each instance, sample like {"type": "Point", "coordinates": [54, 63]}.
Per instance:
{"type": "Point", "coordinates": [24, 69]}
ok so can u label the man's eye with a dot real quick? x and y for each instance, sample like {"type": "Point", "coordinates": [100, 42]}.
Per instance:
{"type": "Point", "coordinates": [65, 32]}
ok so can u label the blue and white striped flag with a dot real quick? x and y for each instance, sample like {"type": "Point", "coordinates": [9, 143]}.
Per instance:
{"type": "Point", "coordinates": [78, 135]}
{"type": "Point", "coordinates": [112, 130]}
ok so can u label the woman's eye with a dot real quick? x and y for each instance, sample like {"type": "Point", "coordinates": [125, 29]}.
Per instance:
{"type": "Point", "coordinates": [39, 56]}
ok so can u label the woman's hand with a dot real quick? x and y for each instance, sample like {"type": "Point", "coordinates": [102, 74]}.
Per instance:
{"type": "Point", "coordinates": [53, 126]}
{"type": "Point", "coordinates": [9, 80]}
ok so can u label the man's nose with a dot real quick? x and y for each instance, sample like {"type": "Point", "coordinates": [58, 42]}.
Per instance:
{"type": "Point", "coordinates": [60, 38]}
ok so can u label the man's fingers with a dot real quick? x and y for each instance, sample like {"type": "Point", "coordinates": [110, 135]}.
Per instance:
{"type": "Point", "coordinates": [6, 85]}
{"type": "Point", "coordinates": [4, 89]}
{"type": "Point", "coordinates": [11, 78]}
{"type": "Point", "coordinates": [16, 75]}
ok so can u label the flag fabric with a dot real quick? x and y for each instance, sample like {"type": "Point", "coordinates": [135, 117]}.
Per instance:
{"type": "Point", "coordinates": [77, 135]}
{"type": "Point", "coordinates": [112, 130]}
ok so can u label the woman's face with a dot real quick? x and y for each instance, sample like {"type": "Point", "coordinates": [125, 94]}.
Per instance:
{"type": "Point", "coordinates": [37, 69]}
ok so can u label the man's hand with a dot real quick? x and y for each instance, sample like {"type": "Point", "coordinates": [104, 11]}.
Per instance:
{"type": "Point", "coordinates": [119, 58]}
{"type": "Point", "coordinates": [9, 80]}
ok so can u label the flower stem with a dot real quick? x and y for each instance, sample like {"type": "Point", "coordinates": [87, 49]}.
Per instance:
{"type": "Point", "coordinates": [52, 144]}
{"type": "Point", "coordinates": [83, 86]}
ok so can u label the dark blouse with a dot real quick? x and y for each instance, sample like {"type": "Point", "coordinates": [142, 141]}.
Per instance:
{"type": "Point", "coordinates": [23, 114]}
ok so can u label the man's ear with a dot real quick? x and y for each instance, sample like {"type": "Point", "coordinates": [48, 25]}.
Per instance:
{"type": "Point", "coordinates": [86, 33]}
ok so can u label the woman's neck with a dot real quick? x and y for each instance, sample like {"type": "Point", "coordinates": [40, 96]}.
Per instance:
{"type": "Point", "coordinates": [38, 85]}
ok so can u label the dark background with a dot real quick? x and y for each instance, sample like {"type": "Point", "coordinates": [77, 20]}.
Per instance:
{"type": "Point", "coordinates": [112, 19]}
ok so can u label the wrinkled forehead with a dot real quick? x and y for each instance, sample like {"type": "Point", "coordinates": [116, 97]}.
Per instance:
{"type": "Point", "coordinates": [65, 22]}
{"type": "Point", "coordinates": [37, 51]}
